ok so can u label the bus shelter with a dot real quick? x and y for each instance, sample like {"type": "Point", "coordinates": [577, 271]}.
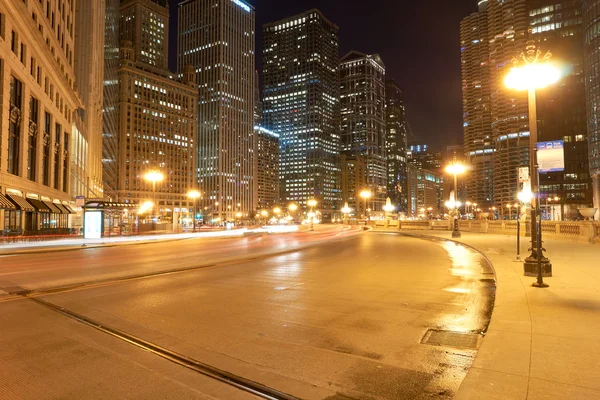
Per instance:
{"type": "Point", "coordinates": [107, 218]}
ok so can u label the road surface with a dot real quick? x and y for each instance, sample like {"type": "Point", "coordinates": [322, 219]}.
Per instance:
{"type": "Point", "coordinates": [338, 314]}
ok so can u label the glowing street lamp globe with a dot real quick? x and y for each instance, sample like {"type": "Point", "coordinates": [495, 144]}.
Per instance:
{"type": "Point", "coordinates": [532, 76]}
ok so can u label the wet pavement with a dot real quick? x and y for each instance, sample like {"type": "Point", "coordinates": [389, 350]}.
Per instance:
{"type": "Point", "coordinates": [345, 319]}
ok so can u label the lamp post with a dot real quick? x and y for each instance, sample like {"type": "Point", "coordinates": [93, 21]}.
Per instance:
{"type": "Point", "coordinates": [154, 176]}
{"type": "Point", "coordinates": [194, 194]}
{"type": "Point", "coordinates": [509, 214]}
{"type": "Point", "coordinates": [312, 203]}
{"type": "Point", "coordinates": [292, 209]}
{"type": "Point", "coordinates": [365, 194]}
{"type": "Point", "coordinates": [532, 75]}
{"type": "Point", "coordinates": [455, 169]}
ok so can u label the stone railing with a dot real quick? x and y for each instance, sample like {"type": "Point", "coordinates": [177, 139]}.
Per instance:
{"type": "Point", "coordinates": [585, 231]}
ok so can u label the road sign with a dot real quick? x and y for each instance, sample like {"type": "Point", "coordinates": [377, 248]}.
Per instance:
{"type": "Point", "coordinates": [79, 200]}
{"type": "Point", "coordinates": [550, 156]}
{"type": "Point", "coordinates": [523, 174]}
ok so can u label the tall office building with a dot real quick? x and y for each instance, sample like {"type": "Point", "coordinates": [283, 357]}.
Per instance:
{"type": "Point", "coordinates": [591, 34]}
{"type": "Point", "coordinates": [477, 118]}
{"type": "Point", "coordinates": [396, 145]}
{"type": "Point", "coordinates": [110, 112]}
{"type": "Point", "coordinates": [561, 111]}
{"type": "Point", "coordinates": [86, 141]}
{"type": "Point", "coordinates": [507, 35]}
{"type": "Point", "coordinates": [216, 37]}
{"type": "Point", "coordinates": [301, 103]}
{"type": "Point", "coordinates": [37, 103]}
{"type": "Point", "coordinates": [267, 169]}
{"type": "Point", "coordinates": [353, 179]}
{"type": "Point", "coordinates": [363, 128]}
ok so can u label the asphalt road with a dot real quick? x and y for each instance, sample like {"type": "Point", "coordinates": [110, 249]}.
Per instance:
{"type": "Point", "coordinates": [342, 317]}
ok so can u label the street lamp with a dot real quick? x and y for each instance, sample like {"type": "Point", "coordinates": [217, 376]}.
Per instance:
{"type": "Point", "coordinates": [154, 176]}
{"type": "Point", "coordinates": [194, 194]}
{"type": "Point", "coordinates": [265, 214]}
{"type": "Point", "coordinates": [311, 203]}
{"type": "Point", "coordinates": [366, 195]}
{"type": "Point", "coordinates": [292, 209]}
{"type": "Point", "coordinates": [532, 75]}
{"type": "Point", "coordinates": [456, 169]}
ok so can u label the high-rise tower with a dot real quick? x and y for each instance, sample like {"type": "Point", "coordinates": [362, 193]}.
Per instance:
{"type": "Point", "coordinates": [217, 38]}
{"type": "Point", "coordinates": [396, 145]}
{"type": "Point", "coordinates": [362, 103]}
{"type": "Point", "coordinates": [301, 104]}
{"type": "Point", "coordinates": [477, 123]}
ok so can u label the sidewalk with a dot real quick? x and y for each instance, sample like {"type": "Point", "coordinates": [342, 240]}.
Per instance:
{"type": "Point", "coordinates": [541, 343]}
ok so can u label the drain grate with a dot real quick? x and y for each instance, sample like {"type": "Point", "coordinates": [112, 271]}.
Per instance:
{"type": "Point", "coordinates": [451, 339]}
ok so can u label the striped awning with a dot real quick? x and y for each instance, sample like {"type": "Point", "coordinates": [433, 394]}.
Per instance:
{"type": "Point", "coordinates": [20, 202]}
{"type": "Point", "coordinates": [69, 209]}
{"type": "Point", "coordinates": [6, 204]}
{"type": "Point", "coordinates": [39, 205]}
{"type": "Point", "coordinates": [52, 207]}
{"type": "Point", "coordinates": [61, 208]}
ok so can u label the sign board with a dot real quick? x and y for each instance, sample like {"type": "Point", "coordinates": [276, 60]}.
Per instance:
{"type": "Point", "coordinates": [80, 201]}
{"type": "Point", "coordinates": [93, 225]}
{"type": "Point", "coordinates": [523, 174]}
{"type": "Point", "coordinates": [550, 156]}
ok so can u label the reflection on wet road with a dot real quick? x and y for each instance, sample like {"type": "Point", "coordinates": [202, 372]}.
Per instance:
{"type": "Point", "coordinates": [343, 320]}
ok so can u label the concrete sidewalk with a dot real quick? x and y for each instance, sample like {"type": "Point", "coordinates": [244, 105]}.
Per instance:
{"type": "Point", "coordinates": [541, 343]}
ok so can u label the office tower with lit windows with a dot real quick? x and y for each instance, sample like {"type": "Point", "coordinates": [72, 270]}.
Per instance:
{"type": "Point", "coordinates": [353, 180]}
{"type": "Point", "coordinates": [267, 169]}
{"type": "Point", "coordinates": [301, 104]}
{"type": "Point", "coordinates": [110, 112]}
{"type": "Point", "coordinates": [38, 99]}
{"type": "Point", "coordinates": [477, 117]}
{"type": "Point", "coordinates": [591, 15]}
{"type": "Point", "coordinates": [216, 37]}
{"type": "Point", "coordinates": [363, 130]}
{"type": "Point", "coordinates": [156, 113]}
{"type": "Point", "coordinates": [561, 111]}
{"type": "Point", "coordinates": [507, 36]}
{"type": "Point", "coordinates": [86, 141]}
{"type": "Point", "coordinates": [396, 145]}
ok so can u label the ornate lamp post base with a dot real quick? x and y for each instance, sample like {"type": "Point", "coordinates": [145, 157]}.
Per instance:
{"type": "Point", "coordinates": [530, 267]}
{"type": "Point", "coordinates": [455, 234]}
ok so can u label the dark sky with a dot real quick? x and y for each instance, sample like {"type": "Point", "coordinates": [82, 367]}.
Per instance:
{"type": "Point", "coordinates": [418, 41]}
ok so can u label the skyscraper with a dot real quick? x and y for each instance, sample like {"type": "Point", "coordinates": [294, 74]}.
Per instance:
{"type": "Point", "coordinates": [507, 35]}
{"type": "Point", "coordinates": [157, 113]}
{"type": "Point", "coordinates": [561, 111]}
{"type": "Point", "coordinates": [216, 37]}
{"type": "Point", "coordinates": [591, 15]}
{"type": "Point", "coordinates": [362, 103]}
{"type": "Point", "coordinates": [301, 104]}
{"type": "Point", "coordinates": [110, 112]}
{"type": "Point", "coordinates": [267, 170]}
{"type": "Point", "coordinates": [477, 122]}
{"type": "Point", "coordinates": [396, 145]}
{"type": "Point", "coordinates": [86, 142]}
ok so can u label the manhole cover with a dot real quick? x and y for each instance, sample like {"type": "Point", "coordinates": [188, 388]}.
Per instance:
{"type": "Point", "coordinates": [451, 339]}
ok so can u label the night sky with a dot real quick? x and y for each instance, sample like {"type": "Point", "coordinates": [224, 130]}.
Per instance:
{"type": "Point", "coordinates": [418, 41]}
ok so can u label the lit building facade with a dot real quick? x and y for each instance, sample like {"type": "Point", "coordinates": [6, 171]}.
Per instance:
{"type": "Point", "coordinates": [110, 110]}
{"type": "Point", "coordinates": [301, 103]}
{"type": "Point", "coordinates": [561, 109]}
{"type": "Point", "coordinates": [396, 146]}
{"type": "Point", "coordinates": [425, 191]}
{"type": "Point", "coordinates": [363, 128]}
{"type": "Point", "coordinates": [86, 137]}
{"type": "Point", "coordinates": [267, 176]}
{"type": "Point", "coordinates": [591, 35]}
{"type": "Point", "coordinates": [477, 118]}
{"type": "Point", "coordinates": [37, 102]}
{"type": "Point", "coordinates": [354, 180]}
{"type": "Point", "coordinates": [157, 121]}
{"type": "Point", "coordinates": [507, 35]}
{"type": "Point", "coordinates": [216, 37]}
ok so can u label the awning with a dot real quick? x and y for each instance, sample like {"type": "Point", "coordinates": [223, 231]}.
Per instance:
{"type": "Point", "coordinates": [5, 204]}
{"type": "Point", "coordinates": [61, 208]}
{"type": "Point", "coordinates": [38, 205]}
{"type": "Point", "coordinates": [69, 209]}
{"type": "Point", "coordinates": [20, 202]}
{"type": "Point", "coordinates": [108, 205]}
{"type": "Point", "coordinates": [52, 207]}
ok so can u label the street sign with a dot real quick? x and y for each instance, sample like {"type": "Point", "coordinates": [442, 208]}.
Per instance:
{"type": "Point", "coordinates": [79, 201]}
{"type": "Point", "coordinates": [523, 174]}
{"type": "Point", "coordinates": [550, 156]}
